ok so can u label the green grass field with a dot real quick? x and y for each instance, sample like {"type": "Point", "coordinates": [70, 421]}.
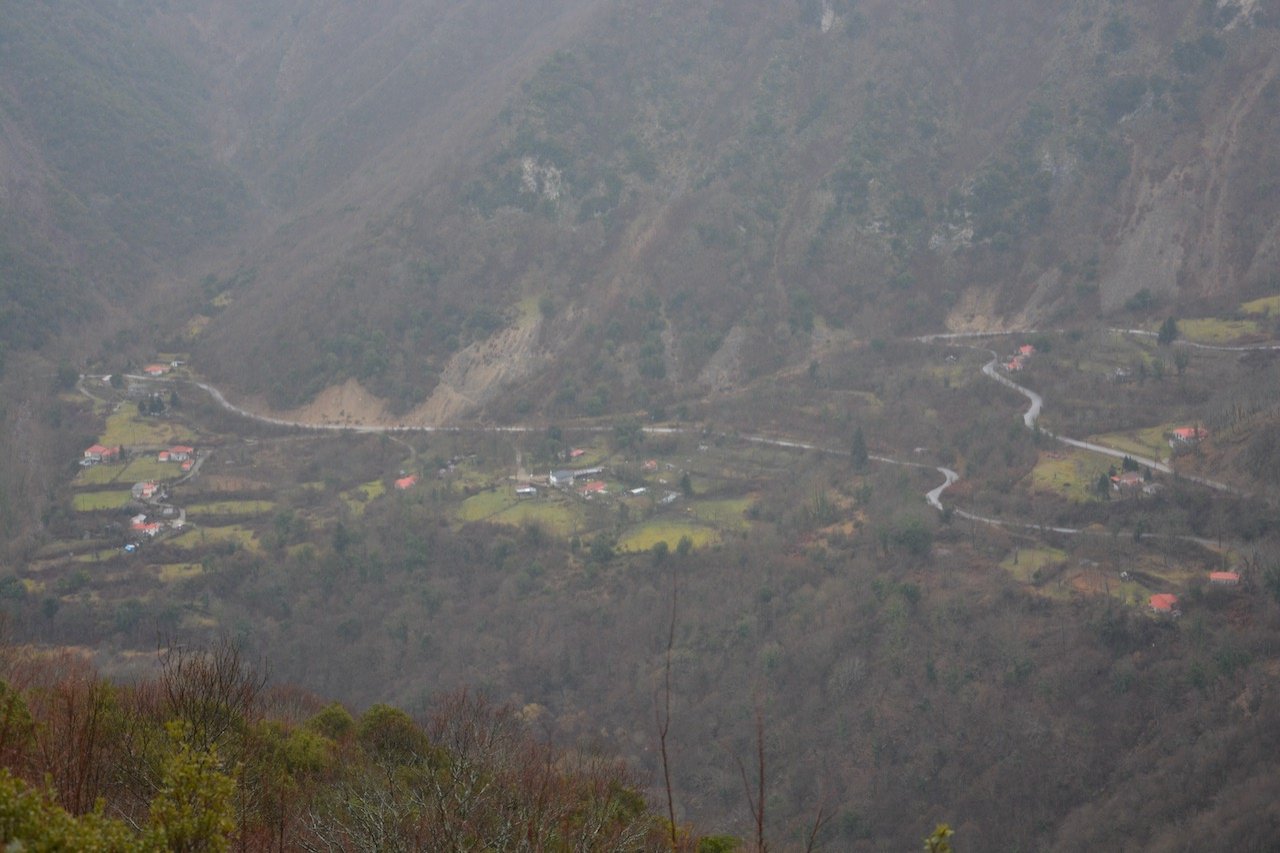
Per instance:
{"type": "Point", "coordinates": [202, 537]}
{"type": "Point", "coordinates": [1072, 474]}
{"type": "Point", "coordinates": [94, 501]}
{"type": "Point", "coordinates": [561, 518]}
{"type": "Point", "coordinates": [1268, 306]}
{"type": "Point", "coordinates": [644, 536]}
{"type": "Point", "coordinates": [1211, 330]}
{"type": "Point", "coordinates": [127, 427]}
{"type": "Point", "coordinates": [230, 508]}
{"type": "Point", "coordinates": [170, 572]}
{"type": "Point", "coordinates": [1149, 442]}
{"type": "Point", "coordinates": [99, 475]}
{"type": "Point", "coordinates": [1031, 560]}
{"type": "Point", "coordinates": [485, 504]}
{"type": "Point", "coordinates": [725, 514]}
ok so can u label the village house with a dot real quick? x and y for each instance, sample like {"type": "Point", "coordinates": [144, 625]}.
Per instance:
{"type": "Point", "coordinates": [565, 477]}
{"type": "Point", "coordinates": [1129, 481]}
{"type": "Point", "coordinates": [407, 482]}
{"type": "Point", "coordinates": [146, 490]}
{"type": "Point", "coordinates": [1165, 603]}
{"type": "Point", "coordinates": [1188, 436]}
{"type": "Point", "coordinates": [595, 487]}
{"type": "Point", "coordinates": [156, 369]}
{"type": "Point", "coordinates": [99, 453]}
{"type": "Point", "coordinates": [1224, 578]}
{"type": "Point", "coordinates": [1026, 350]}
{"type": "Point", "coordinates": [526, 491]}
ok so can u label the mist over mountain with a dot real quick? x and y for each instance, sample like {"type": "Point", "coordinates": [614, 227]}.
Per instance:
{"type": "Point", "coordinates": [732, 222]}
{"type": "Point", "coordinates": [689, 194]}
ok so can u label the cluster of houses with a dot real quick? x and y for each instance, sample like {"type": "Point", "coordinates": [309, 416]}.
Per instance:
{"type": "Point", "coordinates": [1018, 361]}
{"type": "Point", "coordinates": [181, 453]}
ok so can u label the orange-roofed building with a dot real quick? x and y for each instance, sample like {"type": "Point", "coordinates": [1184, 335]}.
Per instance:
{"type": "Point", "coordinates": [1026, 350]}
{"type": "Point", "coordinates": [407, 482]}
{"type": "Point", "coordinates": [1164, 602]}
{"type": "Point", "coordinates": [1224, 578]}
{"type": "Point", "coordinates": [1190, 435]}
{"type": "Point", "coordinates": [592, 488]}
{"type": "Point", "coordinates": [156, 369]}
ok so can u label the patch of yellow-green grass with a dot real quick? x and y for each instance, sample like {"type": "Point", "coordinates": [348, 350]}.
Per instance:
{"type": "Point", "coordinates": [1072, 474]}
{"type": "Point", "coordinates": [485, 504]}
{"type": "Point", "coordinates": [644, 536]}
{"type": "Point", "coordinates": [558, 517]}
{"type": "Point", "coordinates": [33, 587]}
{"type": "Point", "coordinates": [125, 426]}
{"type": "Point", "coordinates": [1211, 330]}
{"type": "Point", "coordinates": [729, 514]}
{"type": "Point", "coordinates": [230, 508]}
{"type": "Point", "coordinates": [1149, 442]}
{"type": "Point", "coordinates": [94, 501]}
{"type": "Point", "coordinates": [223, 299]}
{"type": "Point", "coordinates": [147, 468]}
{"type": "Point", "coordinates": [99, 475]}
{"type": "Point", "coordinates": [1023, 563]}
{"type": "Point", "coordinates": [170, 572]}
{"type": "Point", "coordinates": [202, 537]}
{"type": "Point", "coordinates": [1268, 306]}
{"type": "Point", "coordinates": [356, 498]}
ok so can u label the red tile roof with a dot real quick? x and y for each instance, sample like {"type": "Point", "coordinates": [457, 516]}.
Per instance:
{"type": "Point", "coordinates": [1163, 602]}
{"type": "Point", "coordinates": [1224, 577]}
{"type": "Point", "coordinates": [407, 482]}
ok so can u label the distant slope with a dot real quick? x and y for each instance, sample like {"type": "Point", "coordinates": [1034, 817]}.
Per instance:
{"type": "Point", "coordinates": [579, 207]}
{"type": "Point", "coordinates": [675, 174]}
{"type": "Point", "coordinates": [104, 167]}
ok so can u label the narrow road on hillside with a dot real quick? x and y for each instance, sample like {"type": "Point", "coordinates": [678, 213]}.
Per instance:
{"type": "Point", "coordinates": [1030, 419]}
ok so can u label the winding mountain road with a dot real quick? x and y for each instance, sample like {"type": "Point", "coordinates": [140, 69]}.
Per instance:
{"type": "Point", "coordinates": [933, 497]}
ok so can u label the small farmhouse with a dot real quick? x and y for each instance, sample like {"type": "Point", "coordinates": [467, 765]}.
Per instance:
{"type": "Point", "coordinates": [145, 490]}
{"type": "Point", "coordinates": [1163, 602]}
{"type": "Point", "coordinates": [1188, 436]}
{"type": "Point", "coordinates": [527, 492]}
{"type": "Point", "coordinates": [156, 369]}
{"type": "Point", "coordinates": [407, 482]}
{"type": "Point", "coordinates": [99, 453]}
{"type": "Point", "coordinates": [1224, 578]}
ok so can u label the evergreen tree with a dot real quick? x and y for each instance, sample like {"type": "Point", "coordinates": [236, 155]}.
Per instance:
{"type": "Point", "coordinates": [859, 450]}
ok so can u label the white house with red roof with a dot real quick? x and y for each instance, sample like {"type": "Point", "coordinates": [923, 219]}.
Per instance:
{"type": "Point", "coordinates": [156, 369]}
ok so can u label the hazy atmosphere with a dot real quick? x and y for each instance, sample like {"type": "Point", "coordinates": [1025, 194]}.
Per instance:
{"type": "Point", "coordinates": [839, 425]}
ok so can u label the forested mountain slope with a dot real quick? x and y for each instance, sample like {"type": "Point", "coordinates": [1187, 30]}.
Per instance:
{"type": "Point", "coordinates": [659, 199]}
{"type": "Point", "coordinates": [611, 205]}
